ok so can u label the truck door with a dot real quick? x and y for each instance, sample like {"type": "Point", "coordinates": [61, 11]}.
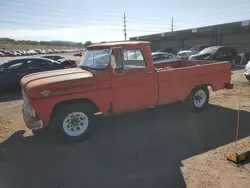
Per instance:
{"type": "Point", "coordinates": [134, 85]}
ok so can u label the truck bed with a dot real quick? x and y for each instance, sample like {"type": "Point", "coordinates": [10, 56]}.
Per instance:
{"type": "Point", "coordinates": [181, 64]}
{"type": "Point", "coordinates": [180, 77]}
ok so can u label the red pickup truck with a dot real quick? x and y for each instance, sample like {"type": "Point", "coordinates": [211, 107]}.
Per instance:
{"type": "Point", "coordinates": [113, 78]}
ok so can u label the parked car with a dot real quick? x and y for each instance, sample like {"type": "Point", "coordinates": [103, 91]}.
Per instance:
{"type": "Point", "coordinates": [163, 57]}
{"type": "Point", "coordinates": [168, 50]}
{"type": "Point", "coordinates": [12, 71]}
{"type": "Point", "coordinates": [19, 52]}
{"type": "Point", "coordinates": [247, 71]}
{"type": "Point", "coordinates": [15, 53]}
{"type": "Point", "coordinates": [53, 57]}
{"type": "Point", "coordinates": [9, 53]}
{"type": "Point", "coordinates": [68, 100]}
{"type": "Point", "coordinates": [79, 54]}
{"type": "Point", "coordinates": [67, 62]}
{"type": "Point", "coordinates": [217, 53]}
{"type": "Point", "coordinates": [185, 54]}
{"type": "Point", "coordinates": [2, 54]}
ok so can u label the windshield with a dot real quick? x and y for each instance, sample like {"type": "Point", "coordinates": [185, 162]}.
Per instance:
{"type": "Point", "coordinates": [96, 59]}
{"type": "Point", "coordinates": [209, 50]}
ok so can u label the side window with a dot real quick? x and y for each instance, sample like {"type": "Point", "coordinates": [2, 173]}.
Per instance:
{"type": "Point", "coordinates": [133, 59]}
{"type": "Point", "coordinates": [35, 63]}
{"type": "Point", "coordinates": [166, 56]}
{"type": "Point", "coordinates": [156, 57]}
{"type": "Point", "coordinates": [16, 65]}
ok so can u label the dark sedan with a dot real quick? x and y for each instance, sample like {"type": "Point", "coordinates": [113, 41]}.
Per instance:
{"type": "Point", "coordinates": [67, 62]}
{"type": "Point", "coordinates": [12, 71]}
{"type": "Point", "coordinates": [217, 53]}
{"type": "Point", "coordinates": [53, 57]}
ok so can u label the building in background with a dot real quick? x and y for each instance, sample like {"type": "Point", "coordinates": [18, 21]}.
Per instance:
{"type": "Point", "coordinates": [236, 34]}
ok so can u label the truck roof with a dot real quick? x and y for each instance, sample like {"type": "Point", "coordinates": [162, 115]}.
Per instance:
{"type": "Point", "coordinates": [117, 43]}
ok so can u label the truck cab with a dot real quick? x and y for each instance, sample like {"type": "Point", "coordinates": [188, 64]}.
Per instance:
{"type": "Point", "coordinates": [113, 78]}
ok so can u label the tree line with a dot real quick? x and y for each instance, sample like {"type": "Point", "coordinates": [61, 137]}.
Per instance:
{"type": "Point", "coordinates": [46, 43]}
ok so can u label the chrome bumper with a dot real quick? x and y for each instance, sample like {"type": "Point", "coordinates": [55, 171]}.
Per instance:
{"type": "Point", "coordinates": [30, 122]}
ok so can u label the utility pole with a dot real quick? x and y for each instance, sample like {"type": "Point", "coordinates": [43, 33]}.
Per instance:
{"type": "Point", "coordinates": [172, 25]}
{"type": "Point", "coordinates": [125, 26]}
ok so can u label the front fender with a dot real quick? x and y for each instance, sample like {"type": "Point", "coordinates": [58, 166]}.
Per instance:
{"type": "Point", "coordinates": [45, 106]}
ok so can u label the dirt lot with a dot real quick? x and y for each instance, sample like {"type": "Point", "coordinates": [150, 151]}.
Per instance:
{"type": "Point", "coordinates": [162, 147]}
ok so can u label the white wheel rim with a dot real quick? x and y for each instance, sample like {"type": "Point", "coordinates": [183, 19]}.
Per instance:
{"type": "Point", "coordinates": [200, 98]}
{"type": "Point", "coordinates": [75, 124]}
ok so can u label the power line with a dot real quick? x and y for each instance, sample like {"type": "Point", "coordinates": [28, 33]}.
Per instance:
{"type": "Point", "coordinates": [108, 19]}
{"type": "Point", "coordinates": [55, 17]}
{"type": "Point", "coordinates": [65, 27]}
{"type": "Point", "coordinates": [234, 6]}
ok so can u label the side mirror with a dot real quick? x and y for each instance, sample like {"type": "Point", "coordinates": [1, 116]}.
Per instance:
{"type": "Point", "coordinates": [113, 65]}
{"type": "Point", "coordinates": [113, 62]}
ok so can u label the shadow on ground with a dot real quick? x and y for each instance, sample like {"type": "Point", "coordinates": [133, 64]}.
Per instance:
{"type": "Point", "coordinates": [238, 67]}
{"type": "Point", "coordinates": [139, 149]}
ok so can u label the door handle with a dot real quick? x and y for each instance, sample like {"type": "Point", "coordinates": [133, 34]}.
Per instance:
{"type": "Point", "coordinates": [150, 72]}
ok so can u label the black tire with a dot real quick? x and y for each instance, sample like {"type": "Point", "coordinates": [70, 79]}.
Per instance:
{"type": "Point", "coordinates": [193, 103]}
{"type": "Point", "coordinates": [62, 115]}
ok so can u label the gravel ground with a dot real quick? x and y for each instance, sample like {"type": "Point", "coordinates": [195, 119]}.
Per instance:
{"type": "Point", "coordinates": [163, 147]}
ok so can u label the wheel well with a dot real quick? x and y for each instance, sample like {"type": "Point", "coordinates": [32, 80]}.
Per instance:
{"type": "Point", "coordinates": [203, 85]}
{"type": "Point", "coordinates": [88, 102]}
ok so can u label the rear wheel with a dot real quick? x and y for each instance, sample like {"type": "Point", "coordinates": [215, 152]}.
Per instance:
{"type": "Point", "coordinates": [74, 122]}
{"type": "Point", "coordinates": [199, 97]}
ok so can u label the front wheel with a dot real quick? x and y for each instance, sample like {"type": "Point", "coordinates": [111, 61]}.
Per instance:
{"type": "Point", "coordinates": [199, 97]}
{"type": "Point", "coordinates": [73, 122]}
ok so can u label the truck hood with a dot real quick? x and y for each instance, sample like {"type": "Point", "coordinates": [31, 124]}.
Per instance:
{"type": "Point", "coordinates": [58, 82]}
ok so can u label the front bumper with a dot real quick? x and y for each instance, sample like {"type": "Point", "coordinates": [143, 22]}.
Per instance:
{"type": "Point", "coordinates": [31, 123]}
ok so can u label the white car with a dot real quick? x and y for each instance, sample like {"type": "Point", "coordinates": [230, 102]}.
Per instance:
{"type": "Point", "coordinates": [185, 54]}
{"type": "Point", "coordinates": [163, 57]}
{"type": "Point", "coordinates": [247, 71]}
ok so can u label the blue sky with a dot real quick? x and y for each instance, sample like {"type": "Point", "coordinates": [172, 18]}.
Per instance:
{"type": "Point", "coordinates": [81, 20]}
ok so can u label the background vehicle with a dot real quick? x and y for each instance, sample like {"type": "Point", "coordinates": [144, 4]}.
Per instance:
{"type": "Point", "coordinates": [185, 54]}
{"type": "Point", "coordinates": [168, 50]}
{"type": "Point", "coordinates": [68, 100]}
{"type": "Point", "coordinates": [53, 57]}
{"type": "Point", "coordinates": [162, 57]}
{"type": "Point", "coordinates": [79, 54]}
{"type": "Point", "coordinates": [247, 71]}
{"type": "Point", "coordinates": [67, 62]}
{"type": "Point", "coordinates": [217, 53]}
{"type": "Point", "coordinates": [11, 72]}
